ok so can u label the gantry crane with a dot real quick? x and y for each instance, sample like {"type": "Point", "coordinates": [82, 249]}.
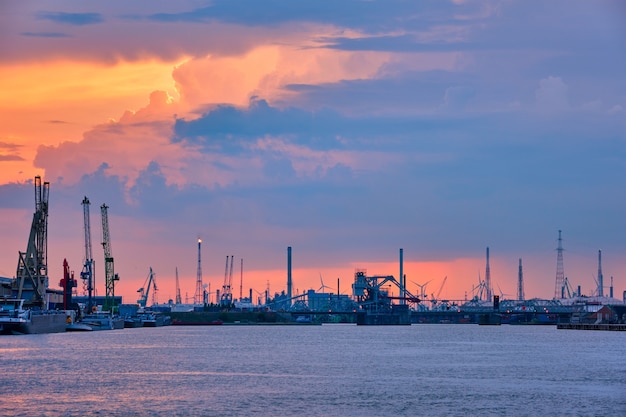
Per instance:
{"type": "Point", "coordinates": [435, 299]}
{"type": "Point", "coordinates": [145, 290]}
{"type": "Point", "coordinates": [226, 298]}
{"type": "Point", "coordinates": [110, 275]}
{"type": "Point", "coordinates": [87, 274]}
{"type": "Point", "coordinates": [31, 279]}
{"type": "Point", "coordinates": [178, 298]}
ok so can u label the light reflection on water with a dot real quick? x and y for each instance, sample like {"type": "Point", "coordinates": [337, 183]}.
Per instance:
{"type": "Point", "coordinates": [335, 370]}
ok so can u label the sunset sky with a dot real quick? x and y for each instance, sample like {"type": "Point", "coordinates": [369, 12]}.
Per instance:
{"type": "Point", "coordinates": [346, 130]}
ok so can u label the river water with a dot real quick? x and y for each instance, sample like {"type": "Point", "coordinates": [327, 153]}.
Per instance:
{"type": "Point", "coordinates": [328, 370]}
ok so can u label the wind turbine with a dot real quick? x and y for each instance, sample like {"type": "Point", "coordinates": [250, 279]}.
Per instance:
{"type": "Point", "coordinates": [422, 288]}
{"type": "Point", "coordinates": [501, 293]}
{"type": "Point", "coordinates": [323, 286]}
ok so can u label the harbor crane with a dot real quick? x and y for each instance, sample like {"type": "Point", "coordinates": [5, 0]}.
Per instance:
{"type": "Point", "coordinates": [226, 297]}
{"type": "Point", "coordinates": [110, 275]}
{"type": "Point", "coordinates": [87, 274]}
{"type": "Point", "coordinates": [178, 298]}
{"type": "Point", "coordinates": [31, 279]}
{"type": "Point", "coordinates": [566, 288]}
{"type": "Point", "coordinates": [436, 298]}
{"type": "Point", "coordinates": [145, 290]}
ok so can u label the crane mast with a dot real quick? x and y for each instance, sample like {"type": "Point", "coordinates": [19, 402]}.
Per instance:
{"type": "Point", "coordinates": [110, 275]}
{"type": "Point", "coordinates": [227, 295]}
{"type": "Point", "coordinates": [87, 274]}
{"type": "Point", "coordinates": [178, 298]}
{"type": "Point", "coordinates": [145, 290]}
{"type": "Point", "coordinates": [31, 279]}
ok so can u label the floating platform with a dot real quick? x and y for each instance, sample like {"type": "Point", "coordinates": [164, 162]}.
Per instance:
{"type": "Point", "coordinates": [583, 326]}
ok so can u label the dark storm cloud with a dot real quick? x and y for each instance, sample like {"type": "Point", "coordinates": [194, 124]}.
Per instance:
{"type": "Point", "coordinates": [317, 130]}
{"type": "Point", "coordinates": [17, 195]}
{"type": "Point", "coordinates": [73, 19]}
{"type": "Point", "coordinates": [228, 128]}
{"type": "Point", "coordinates": [401, 92]}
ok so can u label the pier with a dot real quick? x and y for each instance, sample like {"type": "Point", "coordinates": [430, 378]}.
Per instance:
{"type": "Point", "coordinates": [599, 326]}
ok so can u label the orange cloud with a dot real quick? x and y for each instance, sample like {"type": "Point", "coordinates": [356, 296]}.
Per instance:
{"type": "Point", "coordinates": [266, 70]}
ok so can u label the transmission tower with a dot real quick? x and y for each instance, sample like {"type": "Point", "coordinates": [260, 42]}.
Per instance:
{"type": "Point", "coordinates": [488, 278]}
{"type": "Point", "coordinates": [520, 282]}
{"type": "Point", "coordinates": [560, 274]}
{"type": "Point", "coordinates": [199, 296]}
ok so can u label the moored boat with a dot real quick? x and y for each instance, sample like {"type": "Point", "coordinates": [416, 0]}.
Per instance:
{"type": "Point", "coordinates": [100, 320]}
{"type": "Point", "coordinates": [155, 319]}
{"type": "Point", "coordinates": [16, 319]}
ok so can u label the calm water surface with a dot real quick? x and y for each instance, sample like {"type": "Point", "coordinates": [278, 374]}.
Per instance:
{"type": "Point", "coordinates": [330, 370]}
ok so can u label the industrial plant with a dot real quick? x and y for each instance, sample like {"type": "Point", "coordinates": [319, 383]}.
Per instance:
{"type": "Point", "coordinates": [28, 305]}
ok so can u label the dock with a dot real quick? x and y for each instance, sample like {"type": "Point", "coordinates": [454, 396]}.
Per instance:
{"type": "Point", "coordinates": [599, 326]}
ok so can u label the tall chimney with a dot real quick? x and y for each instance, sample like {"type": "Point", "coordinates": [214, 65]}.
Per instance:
{"type": "Point", "coordinates": [289, 283]}
{"type": "Point", "coordinates": [402, 283]}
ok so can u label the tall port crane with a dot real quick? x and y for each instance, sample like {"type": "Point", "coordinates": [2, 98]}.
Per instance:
{"type": "Point", "coordinates": [31, 279]}
{"type": "Point", "coordinates": [145, 290]}
{"type": "Point", "coordinates": [110, 275]}
{"type": "Point", "coordinates": [436, 298]}
{"type": "Point", "coordinates": [87, 274]}
{"type": "Point", "coordinates": [178, 298]}
{"type": "Point", "coordinates": [226, 298]}
{"type": "Point", "coordinates": [68, 283]}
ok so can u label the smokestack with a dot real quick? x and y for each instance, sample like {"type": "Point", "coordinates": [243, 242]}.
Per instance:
{"type": "Point", "coordinates": [289, 283]}
{"type": "Point", "coordinates": [520, 282]}
{"type": "Point", "coordinates": [402, 283]}
{"type": "Point", "coordinates": [488, 278]}
{"type": "Point", "coordinates": [600, 278]}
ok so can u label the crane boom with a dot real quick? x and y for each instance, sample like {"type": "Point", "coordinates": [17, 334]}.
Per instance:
{"type": "Point", "coordinates": [110, 275]}
{"type": "Point", "coordinates": [31, 279]}
{"type": "Point", "coordinates": [441, 288]}
{"type": "Point", "coordinates": [145, 290]}
{"type": "Point", "coordinates": [87, 274]}
{"type": "Point", "coordinates": [178, 298]}
{"type": "Point", "coordinates": [227, 295]}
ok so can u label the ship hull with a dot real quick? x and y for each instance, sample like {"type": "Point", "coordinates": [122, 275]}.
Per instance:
{"type": "Point", "coordinates": [52, 322]}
